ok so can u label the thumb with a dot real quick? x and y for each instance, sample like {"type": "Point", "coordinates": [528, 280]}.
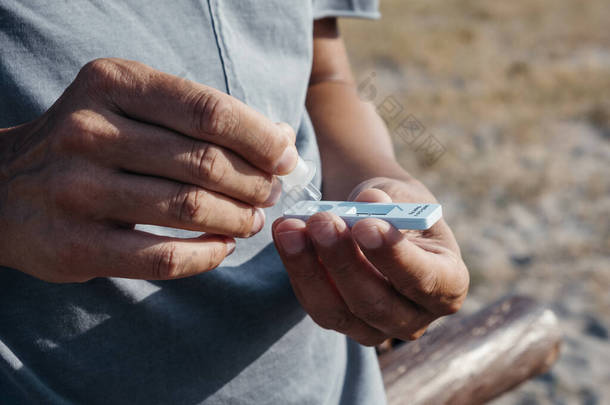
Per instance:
{"type": "Point", "coordinates": [373, 195]}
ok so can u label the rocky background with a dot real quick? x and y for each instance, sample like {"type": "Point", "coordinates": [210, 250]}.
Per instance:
{"type": "Point", "coordinates": [503, 110]}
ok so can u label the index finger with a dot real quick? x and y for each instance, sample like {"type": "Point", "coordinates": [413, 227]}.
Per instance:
{"type": "Point", "coordinates": [428, 274]}
{"type": "Point", "coordinates": [193, 109]}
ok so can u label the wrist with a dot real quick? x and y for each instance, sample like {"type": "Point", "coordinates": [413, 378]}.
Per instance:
{"type": "Point", "coordinates": [338, 185]}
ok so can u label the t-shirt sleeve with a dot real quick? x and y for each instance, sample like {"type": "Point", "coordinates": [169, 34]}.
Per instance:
{"type": "Point", "coordinates": [346, 8]}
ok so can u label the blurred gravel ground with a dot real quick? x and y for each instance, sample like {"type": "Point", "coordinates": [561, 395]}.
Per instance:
{"type": "Point", "coordinates": [517, 95]}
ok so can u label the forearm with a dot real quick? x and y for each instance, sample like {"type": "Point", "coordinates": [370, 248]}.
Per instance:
{"type": "Point", "coordinates": [353, 140]}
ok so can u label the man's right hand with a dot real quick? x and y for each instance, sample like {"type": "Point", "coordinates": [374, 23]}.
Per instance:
{"type": "Point", "coordinates": [127, 144]}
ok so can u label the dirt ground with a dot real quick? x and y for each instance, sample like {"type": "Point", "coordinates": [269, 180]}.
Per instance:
{"type": "Point", "coordinates": [503, 110]}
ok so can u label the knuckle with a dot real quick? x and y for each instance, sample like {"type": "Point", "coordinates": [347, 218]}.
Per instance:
{"type": "Point", "coordinates": [450, 307]}
{"type": "Point", "coordinates": [335, 320]}
{"type": "Point", "coordinates": [450, 293]}
{"type": "Point", "coordinates": [215, 257]}
{"type": "Point", "coordinates": [189, 205]}
{"type": "Point", "coordinates": [214, 114]}
{"type": "Point", "coordinates": [81, 131]}
{"type": "Point", "coordinates": [100, 72]}
{"type": "Point", "coordinates": [428, 290]}
{"type": "Point", "coordinates": [271, 147]}
{"type": "Point", "coordinates": [261, 189]}
{"type": "Point", "coordinates": [165, 262]}
{"type": "Point", "coordinates": [107, 77]}
{"type": "Point", "coordinates": [373, 312]}
{"type": "Point", "coordinates": [207, 164]}
{"type": "Point", "coordinates": [424, 286]}
{"type": "Point", "coordinates": [245, 222]}
{"type": "Point", "coordinates": [97, 66]}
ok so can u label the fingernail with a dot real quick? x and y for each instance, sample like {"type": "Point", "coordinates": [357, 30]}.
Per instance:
{"type": "Point", "coordinates": [323, 232]}
{"type": "Point", "coordinates": [292, 242]}
{"type": "Point", "coordinates": [259, 220]}
{"type": "Point", "coordinates": [276, 192]}
{"type": "Point", "coordinates": [288, 160]}
{"type": "Point", "coordinates": [369, 237]}
{"type": "Point", "coordinates": [230, 247]}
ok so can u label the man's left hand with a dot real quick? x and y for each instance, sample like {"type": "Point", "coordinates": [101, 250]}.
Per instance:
{"type": "Point", "coordinates": [373, 281]}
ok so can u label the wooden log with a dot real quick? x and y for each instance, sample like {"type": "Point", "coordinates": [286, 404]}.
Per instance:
{"type": "Point", "coordinates": [470, 360]}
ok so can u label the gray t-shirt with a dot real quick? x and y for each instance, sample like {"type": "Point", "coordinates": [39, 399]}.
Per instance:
{"type": "Point", "coordinates": [235, 335]}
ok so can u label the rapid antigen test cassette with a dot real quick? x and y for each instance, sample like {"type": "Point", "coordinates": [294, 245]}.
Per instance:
{"type": "Point", "coordinates": [400, 215]}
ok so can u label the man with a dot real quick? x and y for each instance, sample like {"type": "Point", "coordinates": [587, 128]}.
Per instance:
{"type": "Point", "coordinates": [185, 131]}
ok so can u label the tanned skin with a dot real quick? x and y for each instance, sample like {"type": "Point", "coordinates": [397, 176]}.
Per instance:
{"type": "Point", "coordinates": [127, 144]}
{"type": "Point", "coordinates": [371, 282]}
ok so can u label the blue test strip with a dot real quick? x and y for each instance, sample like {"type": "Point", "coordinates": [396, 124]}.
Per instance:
{"type": "Point", "coordinates": [400, 215]}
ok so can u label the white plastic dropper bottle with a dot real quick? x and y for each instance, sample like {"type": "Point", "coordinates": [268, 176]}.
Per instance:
{"type": "Point", "coordinates": [298, 186]}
